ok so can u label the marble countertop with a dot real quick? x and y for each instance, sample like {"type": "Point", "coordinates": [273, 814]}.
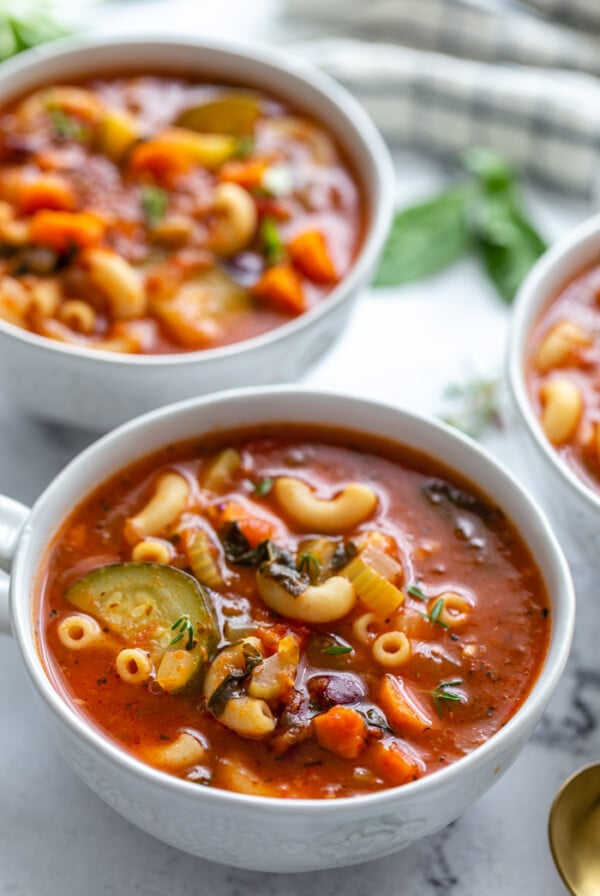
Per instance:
{"type": "Point", "coordinates": [57, 838]}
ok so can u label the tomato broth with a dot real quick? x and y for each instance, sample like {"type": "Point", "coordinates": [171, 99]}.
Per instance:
{"type": "Point", "coordinates": [314, 645]}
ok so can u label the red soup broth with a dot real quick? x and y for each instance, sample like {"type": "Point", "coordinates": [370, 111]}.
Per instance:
{"type": "Point", "coordinates": [565, 349]}
{"type": "Point", "coordinates": [153, 214]}
{"type": "Point", "coordinates": [447, 572]}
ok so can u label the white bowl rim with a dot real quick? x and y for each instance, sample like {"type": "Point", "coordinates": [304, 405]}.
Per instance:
{"type": "Point", "coordinates": [380, 211]}
{"type": "Point", "coordinates": [534, 294]}
{"type": "Point", "coordinates": [23, 618]}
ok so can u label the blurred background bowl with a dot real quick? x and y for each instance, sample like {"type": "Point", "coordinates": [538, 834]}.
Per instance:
{"type": "Point", "coordinates": [98, 390]}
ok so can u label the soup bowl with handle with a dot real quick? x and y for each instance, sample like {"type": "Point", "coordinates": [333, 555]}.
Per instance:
{"type": "Point", "coordinates": [99, 389]}
{"type": "Point", "coordinates": [266, 833]}
{"type": "Point", "coordinates": [572, 503]}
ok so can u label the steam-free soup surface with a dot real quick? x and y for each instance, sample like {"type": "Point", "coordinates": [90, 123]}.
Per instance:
{"type": "Point", "coordinates": [333, 615]}
{"type": "Point", "coordinates": [152, 214]}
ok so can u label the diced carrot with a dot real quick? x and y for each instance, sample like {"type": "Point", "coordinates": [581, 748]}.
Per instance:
{"type": "Point", "coordinates": [248, 174]}
{"type": "Point", "coordinates": [281, 288]}
{"type": "Point", "coordinates": [254, 527]}
{"type": "Point", "coordinates": [342, 731]}
{"type": "Point", "coordinates": [311, 256]}
{"type": "Point", "coordinates": [401, 707]}
{"type": "Point", "coordinates": [59, 230]}
{"type": "Point", "coordinates": [392, 763]}
{"type": "Point", "coordinates": [176, 150]}
{"type": "Point", "coordinates": [46, 191]}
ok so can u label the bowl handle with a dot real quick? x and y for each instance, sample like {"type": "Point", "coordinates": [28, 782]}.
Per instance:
{"type": "Point", "coordinates": [12, 517]}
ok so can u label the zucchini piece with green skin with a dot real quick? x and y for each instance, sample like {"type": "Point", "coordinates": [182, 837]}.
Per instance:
{"type": "Point", "coordinates": [159, 608]}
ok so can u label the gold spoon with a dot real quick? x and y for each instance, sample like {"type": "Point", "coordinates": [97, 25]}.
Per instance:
{"type": "Point", "coordinates": [574, 831]}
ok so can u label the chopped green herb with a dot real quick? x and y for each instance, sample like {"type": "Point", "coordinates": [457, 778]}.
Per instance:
{"type": "Point", "coordinates": [436, 610]}
{"type": "Point", "coordinates": [273, 247]}
{"type": "Point", "coordinates": [308, 565]}
{"type": "Point", "coordinates": [415, 591]}
{"type": "Point", "coordinates": [473, 406]}
{"type": "Point", "coordinates": [154, 205]}
{"type": "Point", "coordinates": [66, 127]}
{"type": "Point", "coordinates": [444, 692]}
{"type": "Point", "coordinates": [337, 650]}
{"type": "Point", "coordinates": [244, 147]}
{"type": "Point", "coordinates": [263, 487]}
{"type": "Point", "coordinates": [183, 627]}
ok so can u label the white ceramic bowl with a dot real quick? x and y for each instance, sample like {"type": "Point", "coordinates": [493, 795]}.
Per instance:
{"type": "Point", "coordinates": [98, 390]}
{"type": "Point", "coordinates": [572, 503]}
{"type": "Point", "coordinates": [262, 833]}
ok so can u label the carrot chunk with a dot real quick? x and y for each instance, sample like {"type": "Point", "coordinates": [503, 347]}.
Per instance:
{"type": "Point", "coordinates": [59, 229]}
{"type": "Point", "coordinates": [281, 288]}
{"type": "Point", "coordinates": [176, 150]}
{"type": "Point", "coordinates": [310, 255]}
{"type": "Point", "coordinates": [342, 731]}
{"type": "Point", "coordinates": [248, 174]}
{"type": "Point", "coordinates": [392, 763]}
{"type": "Point", "coordinates": [401, 706]}
{"type": "Point", "coordinates": [254, 527]}
{"type": "Point", "coordinates": [46, 191]}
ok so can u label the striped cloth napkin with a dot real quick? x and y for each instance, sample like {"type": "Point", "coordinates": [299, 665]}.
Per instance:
{"type": "Point", "coordinates": [446, 74]}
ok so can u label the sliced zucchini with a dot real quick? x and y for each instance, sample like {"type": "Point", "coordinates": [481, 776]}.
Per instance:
{"type": "Point", "coordinates": [158, 607]}
{"type": "Point", "coordinates": [233, 114]}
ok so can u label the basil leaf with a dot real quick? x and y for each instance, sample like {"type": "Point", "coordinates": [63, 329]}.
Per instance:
{"type": "Point", "coordinates": [508, 244]}
{"type": "Point", "coordinates": [426, 238]}
{"type": "Point", "coordinates": [154, 202]}
{"type": "Point", "coordinates": [493, 170]}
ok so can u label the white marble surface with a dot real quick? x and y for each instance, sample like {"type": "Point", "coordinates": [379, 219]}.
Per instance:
{"type": "Point", "coordinates": [403, 346]}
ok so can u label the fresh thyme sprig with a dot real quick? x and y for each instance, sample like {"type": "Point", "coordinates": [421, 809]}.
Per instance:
{"type": "Point", "coordinates": [308, 565]}
{"type": "Point", "coordinates": [263, 487]}
{"type": "Point", "coordinates": [415, 591]}
{"type": "Point", "coordinates": [182, 628]}
{"type": "Point", "coordinates": [444, 692]}
{"type": "Point", "coordinates": [473, 406]}
{"type": "Point", "coordinates": [435, 613]}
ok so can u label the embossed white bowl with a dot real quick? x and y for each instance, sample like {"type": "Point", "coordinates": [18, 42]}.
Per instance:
{"type": "Point", "coordinates": [568, 499]}
{"type": "Point", "coordinates": [257, 832]}
{"type": "Point", "coordinates": [97, 389]}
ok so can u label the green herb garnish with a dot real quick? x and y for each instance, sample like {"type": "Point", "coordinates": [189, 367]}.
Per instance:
{"type": "Point", "coordinates": [337, 650]}
{"type": "Point", "coordinates": [436, 610]}
{"type": "Point", "coordinates": [154, 205]}
{"type": "Point", "coordinates": [66, 127]}
{"type": "Point", "coordinates": [483, 213]}
{"type": "Point", "coordinates": [415, 591]}
{"type": "Point", "coordinates": [473, 406]}
{"type": "Point", "coordinates": [273, 247]}
{"type": "Point", "coordinates": [244, 147]}
{"type": "Point", "coordinates": [444, 692]}
{"type": "Point", "coordinates": [263, 487]}
{"type": "Point", "coordinates": [308, 565]}
{"type": "Point", "coordinates": [183, 627]}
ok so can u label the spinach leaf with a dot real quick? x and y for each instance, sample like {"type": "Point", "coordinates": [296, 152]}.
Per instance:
{"type": "Point", "coordinates": [238, 549]}
{"type": "Point", "coordinates": [231, 686]}
{"type": "Point", "coordinates": [426, 238]}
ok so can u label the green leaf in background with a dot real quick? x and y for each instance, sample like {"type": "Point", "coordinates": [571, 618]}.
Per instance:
{"type": "Point", "coordinates": [25, 24]}
{"type": "Point", "coordinates": [483, 214]}
{"type": "Point", "coordinates": [508, 244]}
{"type": "Point", "coordinates": [426, 238]}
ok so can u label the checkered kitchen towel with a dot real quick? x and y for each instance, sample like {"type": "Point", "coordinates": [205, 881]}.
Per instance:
{"type": "Point", "coordinates": [446, 74]}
